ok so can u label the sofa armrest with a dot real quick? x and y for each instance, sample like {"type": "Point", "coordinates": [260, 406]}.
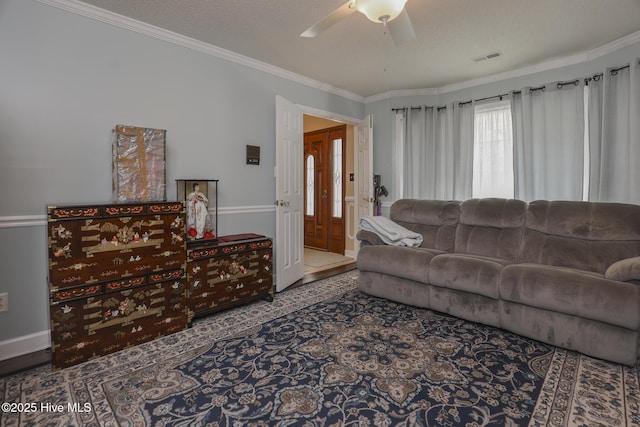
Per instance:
{"type": "Point", "coordinates": [369, 238]}
{"type": "Point", "coordinates": [624, 270]}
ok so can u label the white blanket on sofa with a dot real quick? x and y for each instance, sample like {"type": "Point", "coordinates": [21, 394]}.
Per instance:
{"type": "Point", "coordinates": [390, 232]}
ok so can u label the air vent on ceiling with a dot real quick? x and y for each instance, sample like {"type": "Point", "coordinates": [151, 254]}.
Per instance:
{"type": "Point", "coordinates": [492, 55]}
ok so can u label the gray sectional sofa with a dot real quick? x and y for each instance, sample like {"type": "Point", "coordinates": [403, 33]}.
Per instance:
{"type": "Point", "coordinates": [565, 273]}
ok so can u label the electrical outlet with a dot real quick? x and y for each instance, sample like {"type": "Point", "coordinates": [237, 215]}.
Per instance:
{"type": "Point", "coordinates": [4, 302]}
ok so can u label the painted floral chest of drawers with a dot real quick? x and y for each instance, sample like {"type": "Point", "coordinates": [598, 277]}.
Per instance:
{"type": "Point", "coordinates": [116, 277]}
{"type": "Point", "coordinates": [233, 271]}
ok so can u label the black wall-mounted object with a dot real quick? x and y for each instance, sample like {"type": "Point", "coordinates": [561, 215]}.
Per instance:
{"type": "Point", "coordinates": [253, 154]}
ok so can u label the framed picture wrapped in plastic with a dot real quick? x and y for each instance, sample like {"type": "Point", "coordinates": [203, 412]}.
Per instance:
{"type": "Point", "coordinates": [139, 165]}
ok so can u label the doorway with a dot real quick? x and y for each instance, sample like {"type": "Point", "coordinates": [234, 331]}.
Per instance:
{"type": "Point", "coordinates": [292, 121]}
{"type": "Point", "coordinates": [324, 224]}
{"type": "Point", "coordinates": [324, 252]}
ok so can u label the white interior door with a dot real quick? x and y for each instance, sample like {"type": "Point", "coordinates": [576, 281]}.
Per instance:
{"type": "Point", "coordinates": [289, 245]}
{"type": "Point", "coordinates": [363, 172]}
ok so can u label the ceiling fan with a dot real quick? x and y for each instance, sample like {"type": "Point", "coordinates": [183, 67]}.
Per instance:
{"type": "Point", "coordinates": [390, 13]}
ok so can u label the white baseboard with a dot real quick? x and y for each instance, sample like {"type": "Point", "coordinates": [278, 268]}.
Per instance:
{"type": "Point", "coordinates": [350, 254]}
{"type": "Point", "coordinates": [20, 346]}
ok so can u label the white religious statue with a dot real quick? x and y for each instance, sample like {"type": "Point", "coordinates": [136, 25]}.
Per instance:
{"type": "Point", "coordinates": [198, 221]}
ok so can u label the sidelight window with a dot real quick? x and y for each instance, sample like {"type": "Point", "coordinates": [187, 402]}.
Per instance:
{"type": "Point", "coordinates": [337, 178]}
{"type": "Point", "coordinates": [310, 186]}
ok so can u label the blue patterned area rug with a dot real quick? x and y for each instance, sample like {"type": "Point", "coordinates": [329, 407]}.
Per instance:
{"type": "Point", "coordinates": [325, 354]}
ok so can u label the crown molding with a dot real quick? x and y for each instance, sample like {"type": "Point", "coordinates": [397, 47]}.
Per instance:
{"type": "Point", "coordinates": [401, 93]}
{"type": "Point", "coordinates": [111, 18]}
{"type": "Point", "coordinates": [614, 46]}
{"type": "Point", "coordinates": [93, 12]}
{"type": "Point", "coordinates": [578, 58]}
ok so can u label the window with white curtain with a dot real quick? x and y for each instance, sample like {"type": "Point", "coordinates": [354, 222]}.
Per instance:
{"type": "Point", "coordinates": [561, 141]}
{"type": "Point", "coordinates": [493, 151]}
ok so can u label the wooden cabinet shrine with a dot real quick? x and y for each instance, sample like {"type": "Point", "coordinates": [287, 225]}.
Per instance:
{"type": "Point", "coordinates": [116, 277]}
{"type": "Point", "coordinates": [232, 271]}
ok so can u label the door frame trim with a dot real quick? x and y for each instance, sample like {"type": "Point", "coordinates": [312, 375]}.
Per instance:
{"type": "Point", "coordinates": [329, 115]}
{"type": "Point", "coordinates": [351, 121]}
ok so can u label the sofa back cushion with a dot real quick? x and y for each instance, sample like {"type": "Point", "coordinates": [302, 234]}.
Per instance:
{"type": "Point", "coordinates": [491, 227]}
{"type": "Point", "coordinates": [436, 220]}
{"type": "Point", "coordinates": [584, 235]}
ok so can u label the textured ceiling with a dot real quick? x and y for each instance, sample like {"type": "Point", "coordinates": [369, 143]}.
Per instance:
{"type": "Point", "coordinates": [358, 55]}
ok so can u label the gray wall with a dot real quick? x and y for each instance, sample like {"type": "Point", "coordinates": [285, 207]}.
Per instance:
{"type": "Point", "coordinates": [67, 80]}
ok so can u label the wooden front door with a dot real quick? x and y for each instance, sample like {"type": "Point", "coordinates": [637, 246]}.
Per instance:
{"type": "Point", "coordinates": [324, 189]}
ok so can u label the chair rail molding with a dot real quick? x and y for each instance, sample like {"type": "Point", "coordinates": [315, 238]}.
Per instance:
{"type": "Point", "coordinates": [41, 220]}
{"type": "Point", "coordinates": [23, 221]}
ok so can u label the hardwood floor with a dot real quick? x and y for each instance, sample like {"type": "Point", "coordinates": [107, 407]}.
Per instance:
{"type": "Point", "coordinates": [32, 360]}
{"type": "Point", "coordinates": [313, 277]}
{"type": "Point", "coordinates": [24, 362]}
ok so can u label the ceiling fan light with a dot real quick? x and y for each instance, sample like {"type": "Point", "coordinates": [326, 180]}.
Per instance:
{"type": "Point", "coordinates": [380, 10]}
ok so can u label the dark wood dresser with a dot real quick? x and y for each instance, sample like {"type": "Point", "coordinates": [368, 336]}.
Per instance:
{"type": "Point", "coordinates": [234, 270]}
{"type": "Point", "coordinates": [116, 277]}
{"type": "Point", "coordinates": [124, 274]}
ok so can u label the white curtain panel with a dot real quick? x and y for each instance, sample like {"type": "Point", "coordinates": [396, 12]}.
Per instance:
{"type": "Point", "coordinates": [463, 123]}
{"type": "Point", "coordinates": [615, 136]}
{"type": "Point", "coordinates": [445, 155]}
{"type": "Point", "coordinates": [594, 112]}
{"type": "Point", "coordinates": [438, 152]}
{"type": "Point", "coordinates": [548, 138]}
{"type": "Point", "coordinates": [419, 152]}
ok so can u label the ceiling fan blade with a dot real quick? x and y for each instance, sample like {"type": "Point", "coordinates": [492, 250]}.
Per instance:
{"type": "Point", "coordinates": [401, 29]}
{"type": "Point", "coordinates": [335, 16]}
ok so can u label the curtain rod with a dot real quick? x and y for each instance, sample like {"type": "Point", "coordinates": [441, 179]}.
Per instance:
{"type": "Point", "coordinates": [460, 104]}
{"type": "Point", "coordinates": [426, 107]}
{"type": "Point", "coordinates": [559, 85]}
{"type": "Point", "coordinates": [614, 71]}
{"type": "Point", "coordinates": [595, 77]}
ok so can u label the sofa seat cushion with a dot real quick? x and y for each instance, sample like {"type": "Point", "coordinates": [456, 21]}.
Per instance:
{"type": "Point", "coordinates": [575, 292]}
{"type": "Point", "coordinates": [399, 261]}
{"type": "Point", "coordinates": [470, 273]}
